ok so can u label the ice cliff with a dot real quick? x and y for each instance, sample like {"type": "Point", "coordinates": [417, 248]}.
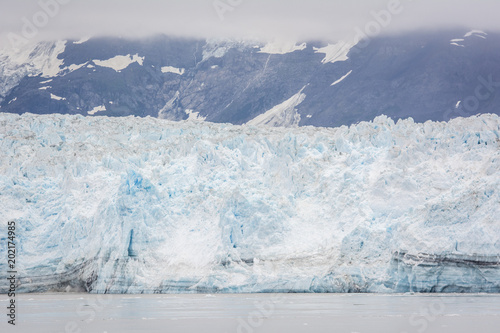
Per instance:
{"type": "Point", "coordinates": [128, 205]}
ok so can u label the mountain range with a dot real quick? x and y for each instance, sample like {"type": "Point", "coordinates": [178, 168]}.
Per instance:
{"type": "Point", "coordinates": [427, 76]}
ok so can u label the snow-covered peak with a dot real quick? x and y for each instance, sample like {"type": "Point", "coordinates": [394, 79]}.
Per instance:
{"type": "Point", "coordinates": [32, 60]}
{"type": "Point", "coordinates": [282, 47]}
{"type": "Point", "coordinates": [120, 62]}
{"type": "Point", "coordinates": [335, 52]}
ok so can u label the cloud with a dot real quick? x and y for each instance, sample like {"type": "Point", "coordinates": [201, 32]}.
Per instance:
{"type": "Point", "coordinates": [258, 19]}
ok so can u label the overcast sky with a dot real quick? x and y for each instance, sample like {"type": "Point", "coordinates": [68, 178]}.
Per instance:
{"type": "Point", "coordinates": [259, 19]}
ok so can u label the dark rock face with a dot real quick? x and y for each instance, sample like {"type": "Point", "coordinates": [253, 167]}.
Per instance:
{"type": "Point", "coordinates": [424, 76]}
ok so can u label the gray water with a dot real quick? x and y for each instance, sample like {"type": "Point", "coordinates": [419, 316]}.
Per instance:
{"type": "Point", "coordinates": [58, 313]}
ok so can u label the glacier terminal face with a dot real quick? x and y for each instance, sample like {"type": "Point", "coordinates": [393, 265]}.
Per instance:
{"type": "Point", "coordinates": [131, 205]}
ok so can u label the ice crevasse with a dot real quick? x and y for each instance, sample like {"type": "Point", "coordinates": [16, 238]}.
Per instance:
{"type": "Point", "coordinates": [130, 205]}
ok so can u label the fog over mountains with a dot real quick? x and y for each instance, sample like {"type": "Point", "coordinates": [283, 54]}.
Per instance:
{"type": "Point", "coordinates": [426, 76]}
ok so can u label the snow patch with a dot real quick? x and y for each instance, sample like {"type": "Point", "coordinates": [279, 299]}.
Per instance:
{"type": "Point", "coordinates": [100, 108]}
{"type": "Point", "coordinates": [342, 78]}
{"type": "Point", "coordinates": [476, 33]}
{"type": "Point", "coordinates": [170, 69]}
{"type": "Point", "coordinates": [473, 33]}
{"type": "Point", "coordinates": [282, 115]}
{"type": "Point", "coordinates": [458, 104]}
{"type": "Point", "coordinates": [13, 100]}
{"type": "Point", "coordinates": [282, 47]}
{"type": "Point", "coordinates": [194, 116]}
{"type": "Point", "coordinates": [74, 67]}
{"type": "Point", "coordinates": [120, 62]}
{"type": "Point", "coordinates": [335, 52]}
{"type": "Point", "coordinates": [46, 81]}
{"type": "Point", "coordinates": [45, 88]}
{"type": "Point", "coordinates": [57, 98]}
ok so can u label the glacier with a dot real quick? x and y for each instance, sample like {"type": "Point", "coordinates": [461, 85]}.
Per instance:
{"type": "Point", "coordinates": [145, 205]}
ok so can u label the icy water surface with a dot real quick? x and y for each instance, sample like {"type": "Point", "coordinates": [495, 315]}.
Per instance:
{"type": "Point", "coordinates": [289, 313]}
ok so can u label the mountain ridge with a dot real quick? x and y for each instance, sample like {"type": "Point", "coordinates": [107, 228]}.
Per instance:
{"type": "Point", "coordinates": [426, 76]}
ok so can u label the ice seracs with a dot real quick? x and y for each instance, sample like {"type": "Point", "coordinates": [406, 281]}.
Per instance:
{"type": "Point", "coordinates": [380, 206]}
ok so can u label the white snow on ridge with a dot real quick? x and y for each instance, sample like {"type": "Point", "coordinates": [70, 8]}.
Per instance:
{"type": "Point", "coordinates": [100, 108]}
{"type": "Point", "coordinates": [170, 69]}
{"type": "Point", "coordinates": [472, 33]}
{"type": "Point", "coordinates": [282, 115]}
{"type": "Point", "coordinates": [57, 98]}
{"type": "Point", "coordinates": [282, 47]}
{"type": "Point", "coordinates": [476, 33]}
{"type": "Point", "coordinates": [74, 67]}
{"type": "Point", "coordinates": [81, 41]}
{"type": "Point", "coordinates": [120, 62]}
{"type": "Point", "coordinates": [335, 52]}
{"type": "Point", "coordinates": [342, 78]}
